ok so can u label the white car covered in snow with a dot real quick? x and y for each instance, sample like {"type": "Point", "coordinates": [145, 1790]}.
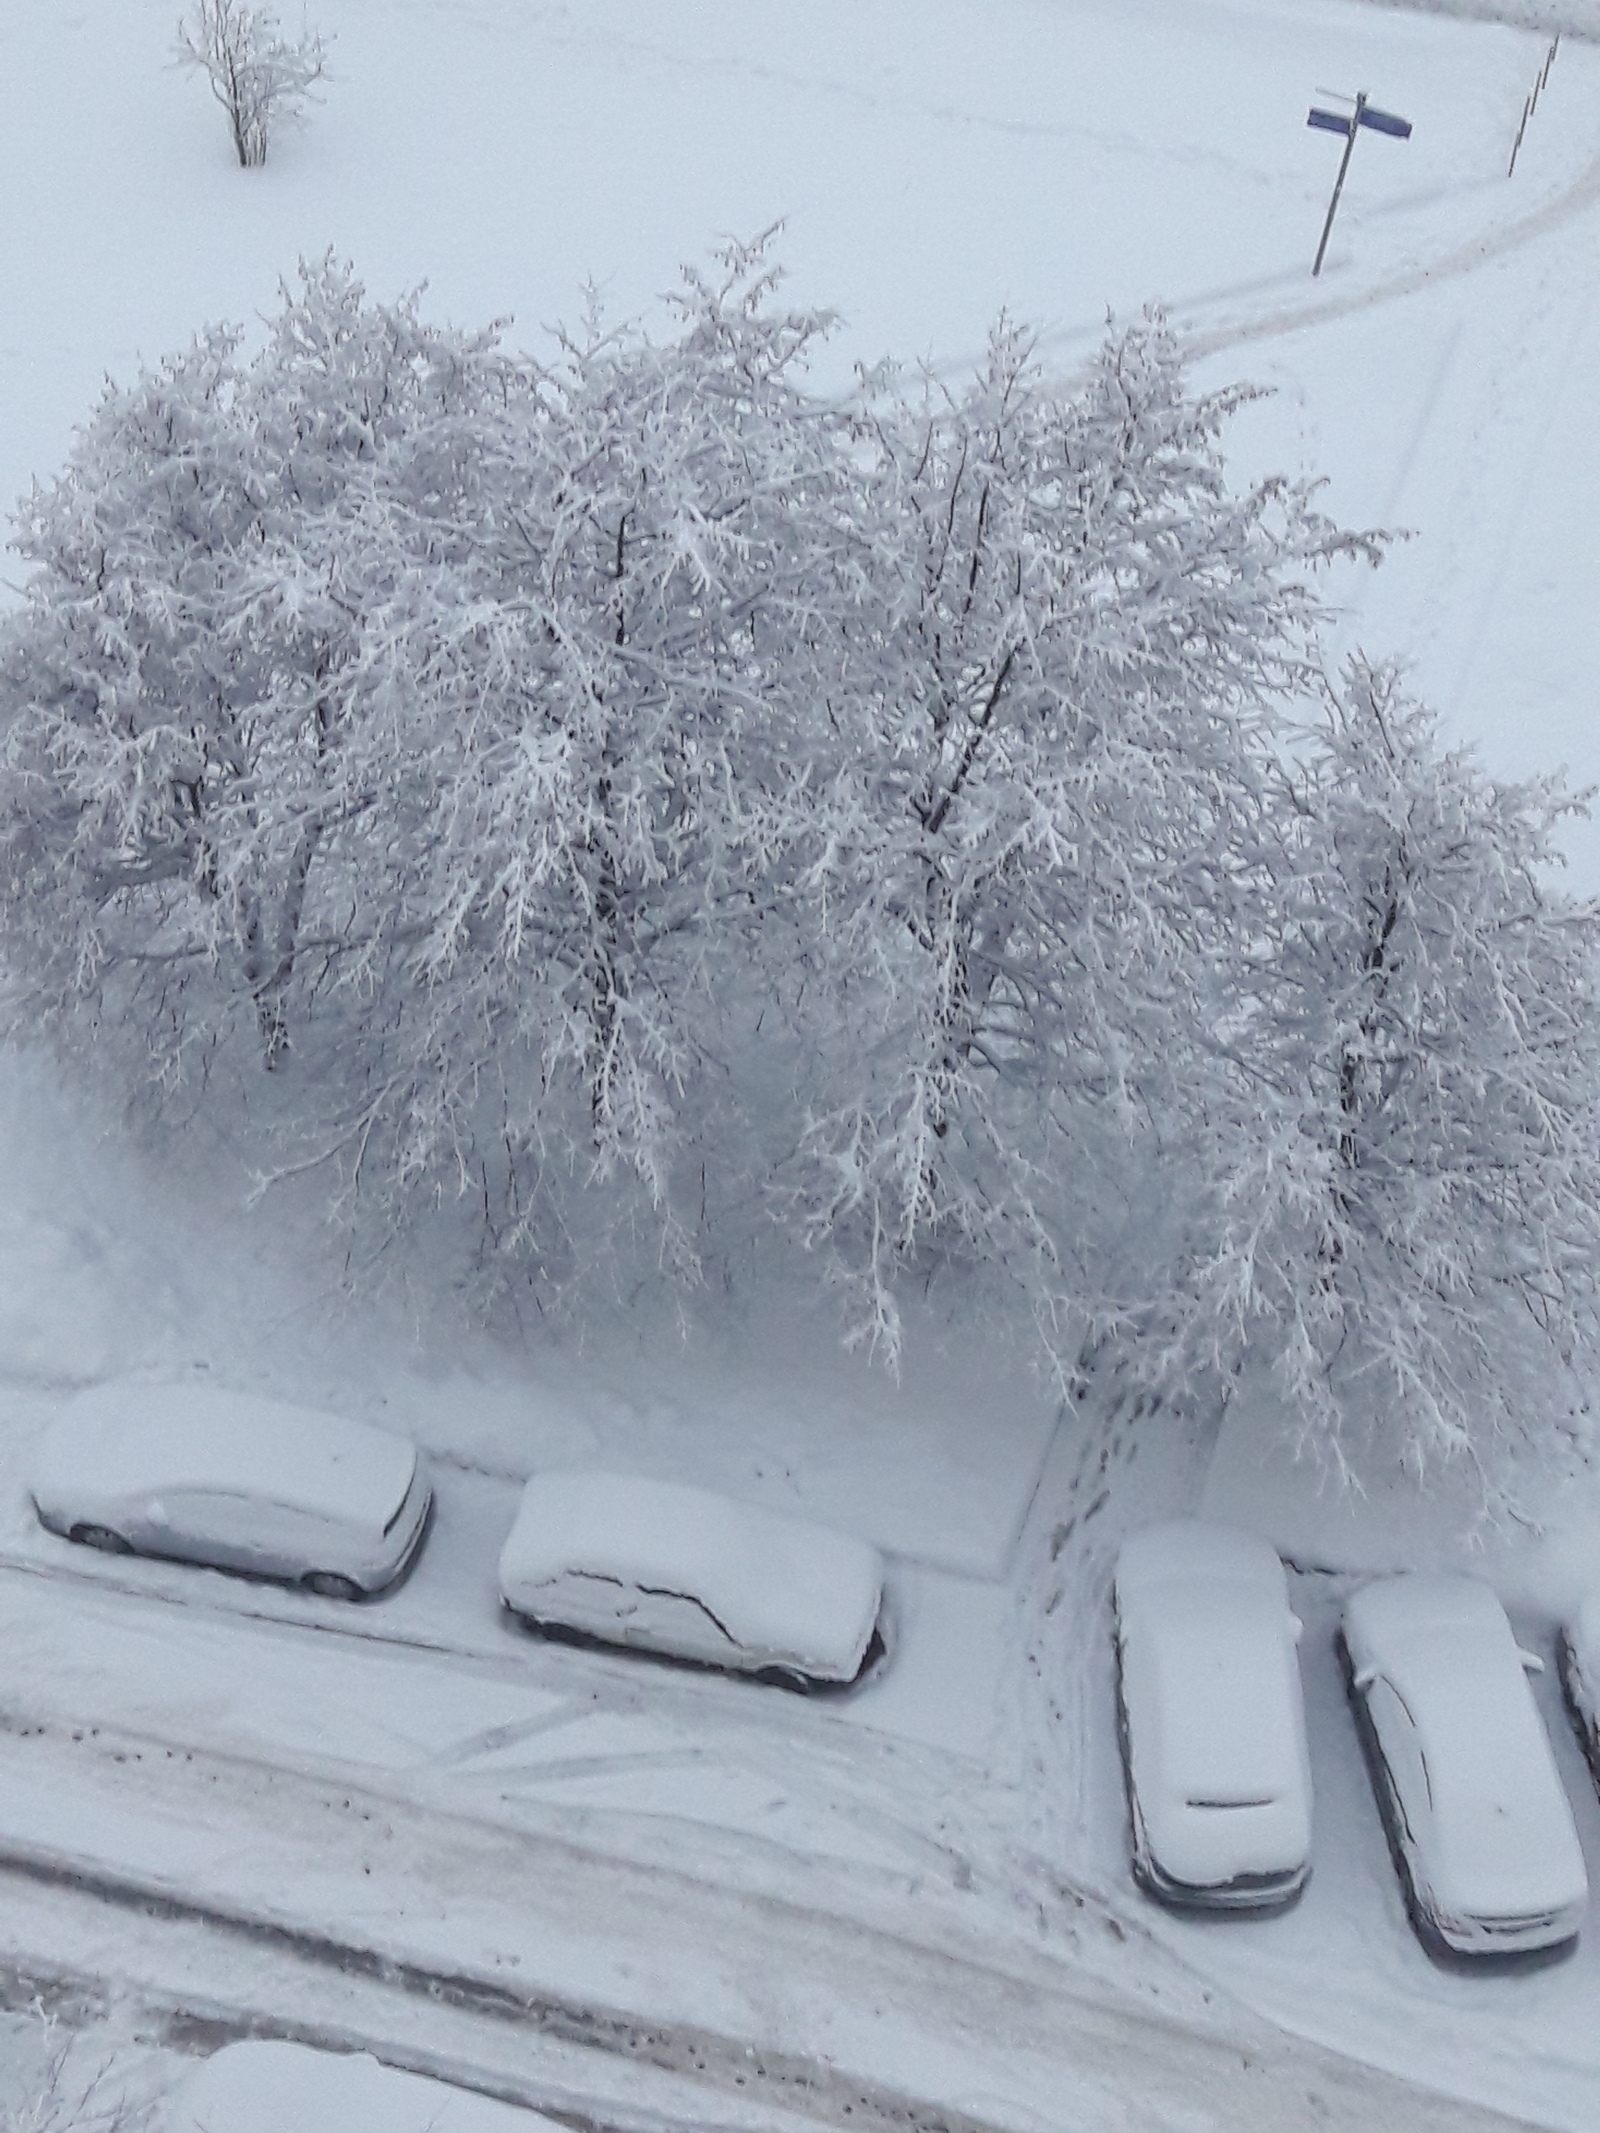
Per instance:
{"type": "Point", "coordinates": [689, 1575]}
{"type": "Point", "coordinates": [1211, 1718]}
{"type": "Point", "coordinates": [244, 1484]}
{"type": "Point", "coordinates": [1480, 1828]}
{"type": "Point", "coordinates": [1578, 1656]}
{"type": "Point", "coordinates": [264, 2086]}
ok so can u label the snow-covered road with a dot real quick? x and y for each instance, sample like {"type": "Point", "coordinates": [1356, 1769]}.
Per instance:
{"type": "Point", "coordinates": [282, 1876]}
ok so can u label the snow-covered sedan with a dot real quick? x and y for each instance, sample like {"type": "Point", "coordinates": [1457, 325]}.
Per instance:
{"type": "Point", "coordinates": [688, 1575]}
{"type": "Point", "coordinates": [1211, 1718]}
{"type": "Point", "coordinates": [1479, 1826]}
{"type": "Point", "coordinates": [262, 2085]}
{"type": "Point", "coordinates": [244, 1484]}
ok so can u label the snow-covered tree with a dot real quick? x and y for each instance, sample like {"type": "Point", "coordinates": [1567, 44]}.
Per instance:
{"type": "Point", "coordinates": [256, 74]}
{"type": "Point", "coordinates": [413, 717]}
{"type": "Point", "coordinates": [1404, 1137]}
{"type": "Point", "coordinates": [629, 699]}
{"type": "Point", "coordinates": [592, 791]}
{"type": "Point", "coordinates": [1050, 709]}
{"type": "Point", "coordinates": [207, 782]}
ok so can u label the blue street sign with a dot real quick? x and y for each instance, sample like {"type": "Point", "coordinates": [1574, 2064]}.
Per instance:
{"type": "Point", "coordinates": [1384, 122]}
{"type": "Point", "coordinates": [1347, 128]}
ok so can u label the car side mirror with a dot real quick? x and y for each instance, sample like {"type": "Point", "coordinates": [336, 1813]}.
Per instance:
{"type": "Point", "coordinates": [1531, 1661]}
{"type": "Point", "coordinates": [1367, 1676]}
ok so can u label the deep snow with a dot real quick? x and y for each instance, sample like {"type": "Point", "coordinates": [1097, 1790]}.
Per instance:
{"type": "Point", "coordinates": [1061, 158]}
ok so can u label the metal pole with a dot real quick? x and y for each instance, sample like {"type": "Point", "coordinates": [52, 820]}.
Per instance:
{"type": "Point", "coordinates": [1338, 183]}
{"type": "Point", "coordinates": [1527, 113]}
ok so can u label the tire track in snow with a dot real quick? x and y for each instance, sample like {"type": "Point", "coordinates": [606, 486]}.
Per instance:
{"type": "Point", "coordinates": [842, 2026]}
{"type": "Point", "coordinates": [156, 1979]}
{"type": "Point", "coordinates": [1577, 198]}
{"type": "Point", "coordinates": [1530, 462]}
{"type": "Point", "coordinates": [804, 2085]}
{"type": "Point", "coordinates": [391, 1838]}
{"type": "Point", "coordinates": [920, 1810]}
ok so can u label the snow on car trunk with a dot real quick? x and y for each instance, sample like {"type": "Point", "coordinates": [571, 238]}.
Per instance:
{"type": "Point", "coordinates": [679, 1570]}
{"type": "Point", "coordinates": [134, 1439]}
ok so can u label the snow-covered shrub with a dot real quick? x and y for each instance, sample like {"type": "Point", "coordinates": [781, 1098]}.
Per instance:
{"type": "Point", "coordinates": [1403, 1124]}
{"type": "Point", "coordinates": [256, 74]}
{"type": "Point", "coordinates": [71, 2093]}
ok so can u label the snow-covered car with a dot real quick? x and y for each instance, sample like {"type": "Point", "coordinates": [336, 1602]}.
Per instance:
{"type": "Point", "coordinates": [688, 1575]}
{"type": "Point", "coordinates": [262, 2085]}
{"type": "Point", "coordinates": [235, 1482]}
{"type": "Point", "coordinates": [1578, 1658]}
{"type": "Point", "coordinates": [1211, 1718]}
{"type": "Point", "coordinates": [1472, 1804]}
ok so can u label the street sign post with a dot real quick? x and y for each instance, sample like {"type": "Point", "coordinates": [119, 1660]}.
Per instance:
{"type": "Point", "coordinates": [1364, 114]}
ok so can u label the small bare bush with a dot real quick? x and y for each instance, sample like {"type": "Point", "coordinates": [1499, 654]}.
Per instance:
{"type": "Point", "coordinates": [256, 74]}
{"type": "Point", "coordinates": [69, 2096]}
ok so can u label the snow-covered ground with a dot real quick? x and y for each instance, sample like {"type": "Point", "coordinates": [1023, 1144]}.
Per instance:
{"type": "Point", "coordinates": [1059, 158]}
{"type": "Point", "coordinates": [1056, 158]}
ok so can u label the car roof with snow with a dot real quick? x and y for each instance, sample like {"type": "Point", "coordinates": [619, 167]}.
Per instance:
{"type": "Point", "coordinates": [1503, 1838]}
{"type": "Point", "coordinates": [123, 1441]}
{"type": "Point", "coordinates": [771, 1583]}
{"type": "Point", "coordinates": [1206, 1625]}
{"type": "Point", "coordinates": [1429, 1634]}
{"type": "Point", "coordinates": [1218, 1671]}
